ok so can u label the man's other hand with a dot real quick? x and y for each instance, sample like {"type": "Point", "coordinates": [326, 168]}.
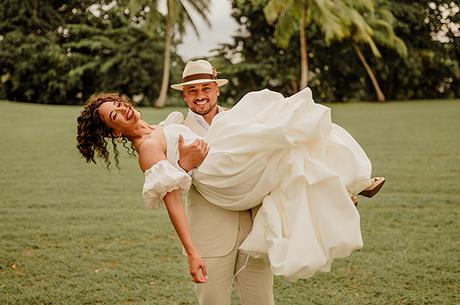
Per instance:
{"type": "Point", "coordinates": [192, 155]}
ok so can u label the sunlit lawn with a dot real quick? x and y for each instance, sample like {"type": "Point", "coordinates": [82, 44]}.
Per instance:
{"type": "Point", "coordinates": [73, 233]}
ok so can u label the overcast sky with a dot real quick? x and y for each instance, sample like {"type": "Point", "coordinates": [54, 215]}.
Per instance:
{"type": "Point", "coordinates": [223, 27]}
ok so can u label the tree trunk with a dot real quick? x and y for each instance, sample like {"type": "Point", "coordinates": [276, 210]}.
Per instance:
{"type": "Point", "coordinates": [303, 53]}
{"type": "Point", "coordinates": [253, 84]}
{"type": "Point", "coordinates": [161, 100]}
{"type": "Point", "coordinates": [294, 88]}
{"type": "Point", "coordinates": [378, 91]}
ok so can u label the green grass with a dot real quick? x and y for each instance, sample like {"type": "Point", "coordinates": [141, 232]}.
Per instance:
{"type": "Point", "coordinates": [73, 233]}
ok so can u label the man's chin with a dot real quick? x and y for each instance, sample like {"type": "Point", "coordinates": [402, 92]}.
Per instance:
{"type": "Point", "coordinates": [201, 111]}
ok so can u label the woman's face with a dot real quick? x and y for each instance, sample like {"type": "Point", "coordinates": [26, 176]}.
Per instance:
{"type": "Point", "coordinates": [119, 116]}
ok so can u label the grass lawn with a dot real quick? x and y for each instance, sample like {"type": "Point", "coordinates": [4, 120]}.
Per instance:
{"type": "Point", "coordinates": [74, 233]}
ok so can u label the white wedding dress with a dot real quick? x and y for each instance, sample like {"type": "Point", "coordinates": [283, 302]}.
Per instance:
{"type": "Point", "coordinates": [286, 154]}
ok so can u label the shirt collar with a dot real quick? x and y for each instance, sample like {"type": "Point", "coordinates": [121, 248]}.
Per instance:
{"type": "Point", "coordinates": [200, 120]}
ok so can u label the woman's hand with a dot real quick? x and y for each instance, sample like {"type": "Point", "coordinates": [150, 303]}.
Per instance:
{"type": "Point", "coordinates": [197, 269]}
{"type": "Point", "coordinates": [173, 203]}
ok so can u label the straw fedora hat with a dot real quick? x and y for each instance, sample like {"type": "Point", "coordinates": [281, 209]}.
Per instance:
{"type": "Point", "coordinates": [197, 72]}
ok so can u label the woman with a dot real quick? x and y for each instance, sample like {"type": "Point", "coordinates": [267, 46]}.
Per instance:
{"type": "Point", "coordinates": [284, 152]}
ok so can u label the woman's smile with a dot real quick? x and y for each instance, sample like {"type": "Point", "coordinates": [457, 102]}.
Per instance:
{"type": "Point", "coordinates": [129, 113]}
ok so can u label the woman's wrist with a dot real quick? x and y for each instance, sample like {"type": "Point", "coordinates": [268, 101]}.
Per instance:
{"type": "Point", "coordinates": [192, 252]}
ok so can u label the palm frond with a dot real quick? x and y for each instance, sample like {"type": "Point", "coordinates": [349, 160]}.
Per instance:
{"type": "Point", "coordinates": [327, 16]}
{"type": "Point", "coordinates": [285, 28]}
{"type": "Point", "coordinates": [399, 46]}
{"type": "Point", "coordinates": [274, 8]}
{"type": "Point", "coordinates": [201, 7]}
{"type": "Point", "coordinates": [185, 16]}
{"type": "Point", "coordinates": [360, 5]}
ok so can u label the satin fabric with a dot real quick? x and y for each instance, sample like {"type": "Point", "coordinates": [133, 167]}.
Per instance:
{"type": "Point", "coordinates": [286, 153]}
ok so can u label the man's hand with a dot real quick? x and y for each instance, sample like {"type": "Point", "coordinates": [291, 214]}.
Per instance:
{"type": "Point", "coordinates": [197, 269]}
{"type": "Point", "coordinates": [192, 155]}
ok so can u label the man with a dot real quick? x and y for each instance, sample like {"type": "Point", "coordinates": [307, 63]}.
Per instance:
{"type": "Point", "coordinates": [217, 233]}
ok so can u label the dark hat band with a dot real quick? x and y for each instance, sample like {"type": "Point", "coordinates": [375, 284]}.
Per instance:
{"type": "Point", "coordinates": [198, 76]}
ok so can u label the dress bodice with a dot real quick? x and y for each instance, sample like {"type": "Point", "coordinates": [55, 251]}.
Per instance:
{"type": "Point", "coordinates": [166, 175]}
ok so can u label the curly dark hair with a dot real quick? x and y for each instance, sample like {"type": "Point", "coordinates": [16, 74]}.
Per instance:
{"type": "Point", "coordinates": [92, 132]}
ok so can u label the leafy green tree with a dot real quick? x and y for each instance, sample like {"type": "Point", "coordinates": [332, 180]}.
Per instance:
{"type": "Point", "coordinates": [77, 48]}
{"type": "Point", "coordinates": [432, 68]}
{"type": "Point", "coordinates": [379, 31]}
{"type": "Point", "coordinates": [177, 17]}
{"type": "Point", "coordinates": [333, 18]}
{"type": "Point", "coordinates": [119, 59]}
{"type": "Point", "coordinates": [254, 60]}
{"type": "Point", "coordinates": [429, 71]}
{"type": "Point", "coordinates": [29, 16]}
{"type": "Point", "coordinates": [28, 49]}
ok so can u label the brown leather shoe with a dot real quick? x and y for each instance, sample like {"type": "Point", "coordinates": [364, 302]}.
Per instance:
{"type": "Point", "coordinates": [374, 188]}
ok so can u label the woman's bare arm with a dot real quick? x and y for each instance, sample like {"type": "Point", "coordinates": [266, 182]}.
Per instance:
{"type": "Point", "coordinates": [173, 202]}
{"type": "Point", "coordinates": [150, 152]}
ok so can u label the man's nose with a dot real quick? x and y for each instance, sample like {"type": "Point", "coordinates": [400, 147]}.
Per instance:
{"type": "Point", "coordinates": [201, 95]}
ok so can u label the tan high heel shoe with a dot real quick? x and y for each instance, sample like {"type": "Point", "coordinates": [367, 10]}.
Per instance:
{"type": "Point", "coordinates": [374, 188]}
{"type": "Point", "coordinates": [355, 200]}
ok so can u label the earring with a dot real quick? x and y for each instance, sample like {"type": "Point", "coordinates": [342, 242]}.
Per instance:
{"type": "Point", "coordinates": [119, 140]}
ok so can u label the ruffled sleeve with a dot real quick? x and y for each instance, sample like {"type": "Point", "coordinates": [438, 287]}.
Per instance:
{"type": "Point", "coordinates": [174, 117]}
{"type": "Point", "coordinates": [161, 179]}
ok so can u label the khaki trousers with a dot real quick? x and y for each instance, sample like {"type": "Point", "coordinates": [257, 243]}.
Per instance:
{"type": "Point", "coordinates": [252, 277]}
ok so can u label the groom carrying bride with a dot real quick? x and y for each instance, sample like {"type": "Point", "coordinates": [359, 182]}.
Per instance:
{"type": "Point", "coordinates": [216, 232]}
{"type": "Point", "coordinates": [285, 153]}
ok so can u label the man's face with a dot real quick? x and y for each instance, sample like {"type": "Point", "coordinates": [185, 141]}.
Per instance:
{"type": "Point", "coordinates": [201, 98]}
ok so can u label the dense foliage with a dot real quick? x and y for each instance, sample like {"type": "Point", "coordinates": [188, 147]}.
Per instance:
{"type": "Point", "coordinates": [63, 51]}
{"type": "Point", "coordinates": [430, 70]}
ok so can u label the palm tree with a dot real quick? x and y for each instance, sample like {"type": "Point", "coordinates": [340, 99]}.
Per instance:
{"type": "Point", "coordinates": [177, 16]}
{"type": "Point", "coordinates": [291, 15]}
{"type": "Point", "coordinates": [379, 30]}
